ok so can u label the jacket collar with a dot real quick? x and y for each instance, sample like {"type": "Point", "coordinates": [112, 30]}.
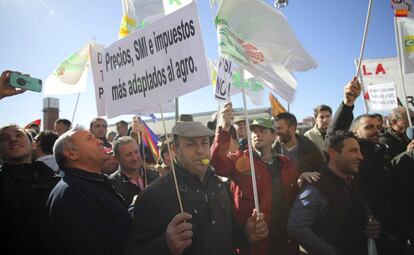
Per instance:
{"type": "Point", "coordinates": [317, 131]}
{"type": "Point", "coordinates": [258, 154]}
{"type": "Point", "coordinates": [36, 169]}
{"type": "Point", "coordinates": [190, 177]}
{"type": "Point", "coordinates": [18, 171]}
{"type": "Point", "coordinates": [339, 180]}
{"type": "Point", "coordinates": [84, 174]}
{"type": "Point", "coordinates": [402, 138]}
{"type": "Point", "coordinates": [124, 177]}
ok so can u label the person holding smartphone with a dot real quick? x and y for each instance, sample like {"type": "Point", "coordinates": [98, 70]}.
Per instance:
{"type": "Point", "coordinates": [5, 89]}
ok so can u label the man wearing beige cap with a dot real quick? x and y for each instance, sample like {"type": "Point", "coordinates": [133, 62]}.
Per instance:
{"type": "Point", "coordinates": [207, 225]}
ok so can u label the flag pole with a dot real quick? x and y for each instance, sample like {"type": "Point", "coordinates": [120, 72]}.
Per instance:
{"type": "Point", "coordinates": [361, 52]}
{"type": "Point", "coordinates": [176, 110]}
{"type": "Point", "coordinates": [172, 165]}
{"type": "Point", "coordinates": [249, 142]}
{"type": "Point", "coordinates": [399, 52]}
{"type": "Point", "coordinates": [76, 107]}
{"type": "Point", "coordinates": [143, 155]}
{"type": "Point", "coordinates": [217, 117]}
{"type": "Point", "coordinates": [363, 87]}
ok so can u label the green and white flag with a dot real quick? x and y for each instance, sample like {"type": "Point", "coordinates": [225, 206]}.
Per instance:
{"type": "Point", "coordinates": [173, 5]}
{"type": "Point", "coordinates": [253, 87]}
{"type": "Point", "coordinates": [70, 75]}
{"type": "Point", "coordinates": [258, 38]}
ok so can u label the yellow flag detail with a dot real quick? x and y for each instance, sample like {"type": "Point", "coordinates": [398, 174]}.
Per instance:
{"type": "Point", "coordinates": [277, 107]}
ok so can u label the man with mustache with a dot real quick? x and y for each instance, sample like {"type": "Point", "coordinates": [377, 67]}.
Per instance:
{"type": "Point", "coordinates": [207, 225]}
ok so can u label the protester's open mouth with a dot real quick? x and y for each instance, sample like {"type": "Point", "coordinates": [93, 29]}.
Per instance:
{"type": "Point", "coordinates": [16, 147]}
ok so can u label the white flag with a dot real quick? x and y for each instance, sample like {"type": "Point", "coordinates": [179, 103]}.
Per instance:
{"type": "Point", "coordinates": [70, 75]}
{"type": "Point", "coordinates": [406, 44]}
{"type": "Point", "coordinates": [138, 14]}
{"type": "Point", "coordinates": [259, 39]}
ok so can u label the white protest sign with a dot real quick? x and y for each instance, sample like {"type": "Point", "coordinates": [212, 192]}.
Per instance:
{"type": "Point", "coordinates": [162, 61]}
{"type": "Point", "coordinates": [97, 73]}
{"type": "Point", "coordinates": [379, 71]}
{"type": "Point", "coordinates": [383, 97]}
{"type": "Point", "coordinates": [98, 78]}
{"type": "Point", "coordinates": [224, 79]}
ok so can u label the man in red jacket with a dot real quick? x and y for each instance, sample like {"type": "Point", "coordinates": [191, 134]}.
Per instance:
{"type": "Point", "coordinates": [276, 182]}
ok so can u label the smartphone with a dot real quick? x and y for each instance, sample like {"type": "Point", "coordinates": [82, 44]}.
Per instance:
{"type": "Point", "coordinates": [25, 82]}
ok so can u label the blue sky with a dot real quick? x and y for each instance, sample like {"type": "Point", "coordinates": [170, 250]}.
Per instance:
{"type": "Point", "coordinates": [38, 34]}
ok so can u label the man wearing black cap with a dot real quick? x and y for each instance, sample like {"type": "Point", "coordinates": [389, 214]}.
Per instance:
{"type": "Point", "coordinates": [206, 226]}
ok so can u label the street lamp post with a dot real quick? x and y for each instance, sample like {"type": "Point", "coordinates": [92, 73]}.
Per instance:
{"type": "Point", "coordinates": [280, 3]}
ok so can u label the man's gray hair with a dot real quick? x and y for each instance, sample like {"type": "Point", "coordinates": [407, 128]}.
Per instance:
{"type": "Point", "coordinates": [61, 144]}
{"type": "Point", "coordinates": [397, 114]}
{"type": "Point", "coordinates": [120, 141]}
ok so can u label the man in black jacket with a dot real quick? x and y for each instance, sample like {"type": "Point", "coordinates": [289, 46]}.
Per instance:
{"type": "Point", "coordinates": [373, 177]}
{"type": "Point", "coordinates": [403, 193]}
{"type": "Point", "coordinates": [86, 215]}
{"type": "Point", "coordinates": [130, 179]}
{"type": "Point", "coordinates": [330, 216]}
{"type": "Point", "coordinates": [207, 225]}
{"type": "Point", "coordinates": [24, 189]}
{"type": "Point", "coordinates": [99, 127]}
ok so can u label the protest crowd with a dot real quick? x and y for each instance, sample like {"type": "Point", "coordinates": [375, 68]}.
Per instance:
{"type": "Point", "coordinates": [79, 191]}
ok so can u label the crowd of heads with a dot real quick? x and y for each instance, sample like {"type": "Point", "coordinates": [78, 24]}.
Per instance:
{"type": "Point", "coordinates": [265, 131]}
{"type": "Point", "coordinates": [189, 144]}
